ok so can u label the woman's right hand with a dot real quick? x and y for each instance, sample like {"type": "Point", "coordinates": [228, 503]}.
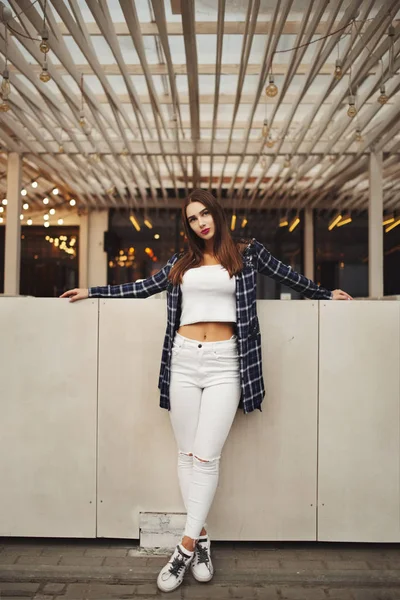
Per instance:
{"type": "Point", "coordinates": [76, 294]}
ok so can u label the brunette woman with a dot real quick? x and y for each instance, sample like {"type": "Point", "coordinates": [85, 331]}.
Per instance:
{"type": "Point", "coordinates": [211, 359]}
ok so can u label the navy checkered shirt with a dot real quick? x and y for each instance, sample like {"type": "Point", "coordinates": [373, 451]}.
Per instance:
{"type": "Point", "coordinates": [256, 259]}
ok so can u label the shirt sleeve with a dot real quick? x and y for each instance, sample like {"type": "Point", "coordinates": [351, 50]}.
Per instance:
{"type": "Point", "coordinates": [142, 289]}
{"type": "Point", "coordinates": [274, 268]}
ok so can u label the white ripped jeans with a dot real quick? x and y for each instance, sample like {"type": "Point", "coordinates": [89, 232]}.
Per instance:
{"type": "Point", "coordinates": [204, 397]}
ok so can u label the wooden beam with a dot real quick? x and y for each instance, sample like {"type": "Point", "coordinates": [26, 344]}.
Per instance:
{"type": "Point", "coordinates": [223, 99]}
{"type": "Point", "coordinates": [181, 69]}
{"type": "Point", "coordinates": [206, 28]}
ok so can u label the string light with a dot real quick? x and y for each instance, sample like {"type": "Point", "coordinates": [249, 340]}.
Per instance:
{"type": "Point", "coordinates": [233, 222]}
{"type": "Point", "coordinates": [270, 142]}
{"type": "Point", "coordinates": [244, 222]}
{"type": "Point", "coordinates": [338, 69]}
{"type": "Point", "coordinates": [44, 44]}
{"type": "Point", "coordinates": [359, 137]}
{"type": "Point", "coordinates": [383, 97]}
{"type": "Point", "coordinates": [271, 90]}
{"type": "Point", "coordinates": [265, 128]}
{"type": "Point", "coordinates": [5, 84]}
{"type": "Point", "coordinates": [4, 106]}
{"type": "Point", "coordinates": [45, 75]}
{"type": "Point", "coordinates": [352, 111]}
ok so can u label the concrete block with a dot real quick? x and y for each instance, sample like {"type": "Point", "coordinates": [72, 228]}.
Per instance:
{"type": "Point", "coordinates": [161, 530]}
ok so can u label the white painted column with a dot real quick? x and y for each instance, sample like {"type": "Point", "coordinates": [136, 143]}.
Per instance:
{"type": "Point", "coordinates": [309, 244]}
{"type": "Point", "coordinates": [83, 250]}
{"type": "Point", "coordinates": [97, 261]}
{"type": "Point", "coordinates": [375, 229]}
{"type": "Point", "coordinates": [12, 261]}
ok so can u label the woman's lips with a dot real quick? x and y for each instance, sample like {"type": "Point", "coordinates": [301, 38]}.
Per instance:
{"type": "Point", "coordinates": [205, 231]}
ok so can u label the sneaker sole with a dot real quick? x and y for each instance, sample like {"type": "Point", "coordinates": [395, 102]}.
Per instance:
{"type": "Point", "coordinates": [169, 589]}
{"type": "Point", "coordinates": [201, 580]}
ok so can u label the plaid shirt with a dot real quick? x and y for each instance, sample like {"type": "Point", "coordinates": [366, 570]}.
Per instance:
{"type": "Point", "coordinates": [256, 259]}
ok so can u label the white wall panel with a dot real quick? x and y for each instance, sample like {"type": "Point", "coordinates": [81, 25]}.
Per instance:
{"type": "Point", "coordinates": [359, 439]}
{"type": "Point", "coordinates": [136, 448]}
{"type": "Point", "coordinates": [48, 374]}
{"type": "Point", "coordinates": [268, 469]}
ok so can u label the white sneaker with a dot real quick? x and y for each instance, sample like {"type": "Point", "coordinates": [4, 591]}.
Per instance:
{"type": "Point", "coordinates": [201, 565]}
{"type": "Point", "coordinates": [171, 576]}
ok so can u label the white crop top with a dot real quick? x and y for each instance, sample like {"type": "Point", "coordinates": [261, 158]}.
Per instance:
{"type": "Point", "coordinates": [208, 294]}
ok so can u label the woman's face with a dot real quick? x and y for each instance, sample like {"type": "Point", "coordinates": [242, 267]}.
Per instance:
{"type": "Point", "coordinates": [200, 220]}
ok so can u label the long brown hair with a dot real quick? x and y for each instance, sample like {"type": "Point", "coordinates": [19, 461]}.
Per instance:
{"type": "Point", "coordinates": [226, 251]}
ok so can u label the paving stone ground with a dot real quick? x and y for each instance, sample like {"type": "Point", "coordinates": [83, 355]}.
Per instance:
{"type": "Point", "coordinates": [43, 569]}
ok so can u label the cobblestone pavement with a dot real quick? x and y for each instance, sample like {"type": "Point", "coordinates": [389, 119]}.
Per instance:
{"type": "Point", "coordinates": [105, 569]}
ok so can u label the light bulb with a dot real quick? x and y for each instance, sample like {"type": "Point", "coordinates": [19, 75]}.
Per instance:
{"type": "Point", "coordinates": [351, 111]}
{"type": "Point", "coordinates": [52, 211]}
{"type": "Point", "coordinates": [44, 75]}
{"type": "Point", "coordinates": [265, 128]}
{"type": "Point", "coordinates": [5, 85]}
{"type": "Point", "coordinates": [383, 98]}
{"type": "Point", "coordinates": [29, 221]}
{"type": "Point", "coordinates": [25, 206]}
{"type": "Point", "coordinates": [270, 142]}
{"type": "Point", "coordinates": [263, 162]}
{"type": "Point", "coordinates": [359, 137]}
{"type": "Point", "coordinates": [271, 90]}
{"type": "Point", "coordinates": [34, 184]}
{"type": "Point", "coordinates": [82, 120]}
{"type": "Point", "coordinates": [23, 192]}
{"type": "Point", "coordinates": [287, 161]}
{"type": "Point", "coordinates": [44, 46]}
{"type": "Point", "coordinates": [60, 221]}
{"type": "Point", "coordinates": [61, 149]}
{"type": "Point", "coordinates": [55, 191]}
{"type": "Point", "coordinates": [46, 224]}
{"type": "Point", "coordinates": [45, 200]}
{"type": "Point", "coordinates": [338, 69]}
{"type": "Point", "coordinates": [4, 106]}
{"type": "Point", "coordinates": [46, 217]}
{"type": "Point", "coordinates": [72, 202]}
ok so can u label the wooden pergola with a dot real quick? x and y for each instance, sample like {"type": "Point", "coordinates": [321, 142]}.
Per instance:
{"type": "Point", "coordinates": [150, 98]}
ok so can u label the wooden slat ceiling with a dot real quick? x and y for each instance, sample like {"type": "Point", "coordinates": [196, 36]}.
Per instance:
{"type": "Point", "coordinates": [174, 97]}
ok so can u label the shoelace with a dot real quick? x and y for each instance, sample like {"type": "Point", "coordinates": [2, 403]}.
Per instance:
{"type": "Point", "coordinates": [176, 566]}
{"type": "Point", "coordinates": [202, 553]}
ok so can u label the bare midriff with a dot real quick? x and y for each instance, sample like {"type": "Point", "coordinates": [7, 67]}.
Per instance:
{"type": "Point", "coordinates": [208, 332]}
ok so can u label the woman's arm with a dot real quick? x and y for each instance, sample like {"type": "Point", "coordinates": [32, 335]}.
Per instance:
{"type": "Point", "coordinates": [274, 268]}
{"type": "Point", "coordinates": [142, 289]}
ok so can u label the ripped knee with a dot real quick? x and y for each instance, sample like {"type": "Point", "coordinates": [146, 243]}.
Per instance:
{"type": "Point", "coordinates": [205, 460]}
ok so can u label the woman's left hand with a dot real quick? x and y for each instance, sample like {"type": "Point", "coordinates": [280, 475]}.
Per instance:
{"type": "Point", "coordinates": [341, 295]}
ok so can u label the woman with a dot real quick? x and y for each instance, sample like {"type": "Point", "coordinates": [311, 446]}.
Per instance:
{"type": "Point", "coordinates": [211, 358]}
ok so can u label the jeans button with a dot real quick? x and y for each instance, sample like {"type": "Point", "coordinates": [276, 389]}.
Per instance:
{"type": "Point", "coordinates": [200, 345]}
